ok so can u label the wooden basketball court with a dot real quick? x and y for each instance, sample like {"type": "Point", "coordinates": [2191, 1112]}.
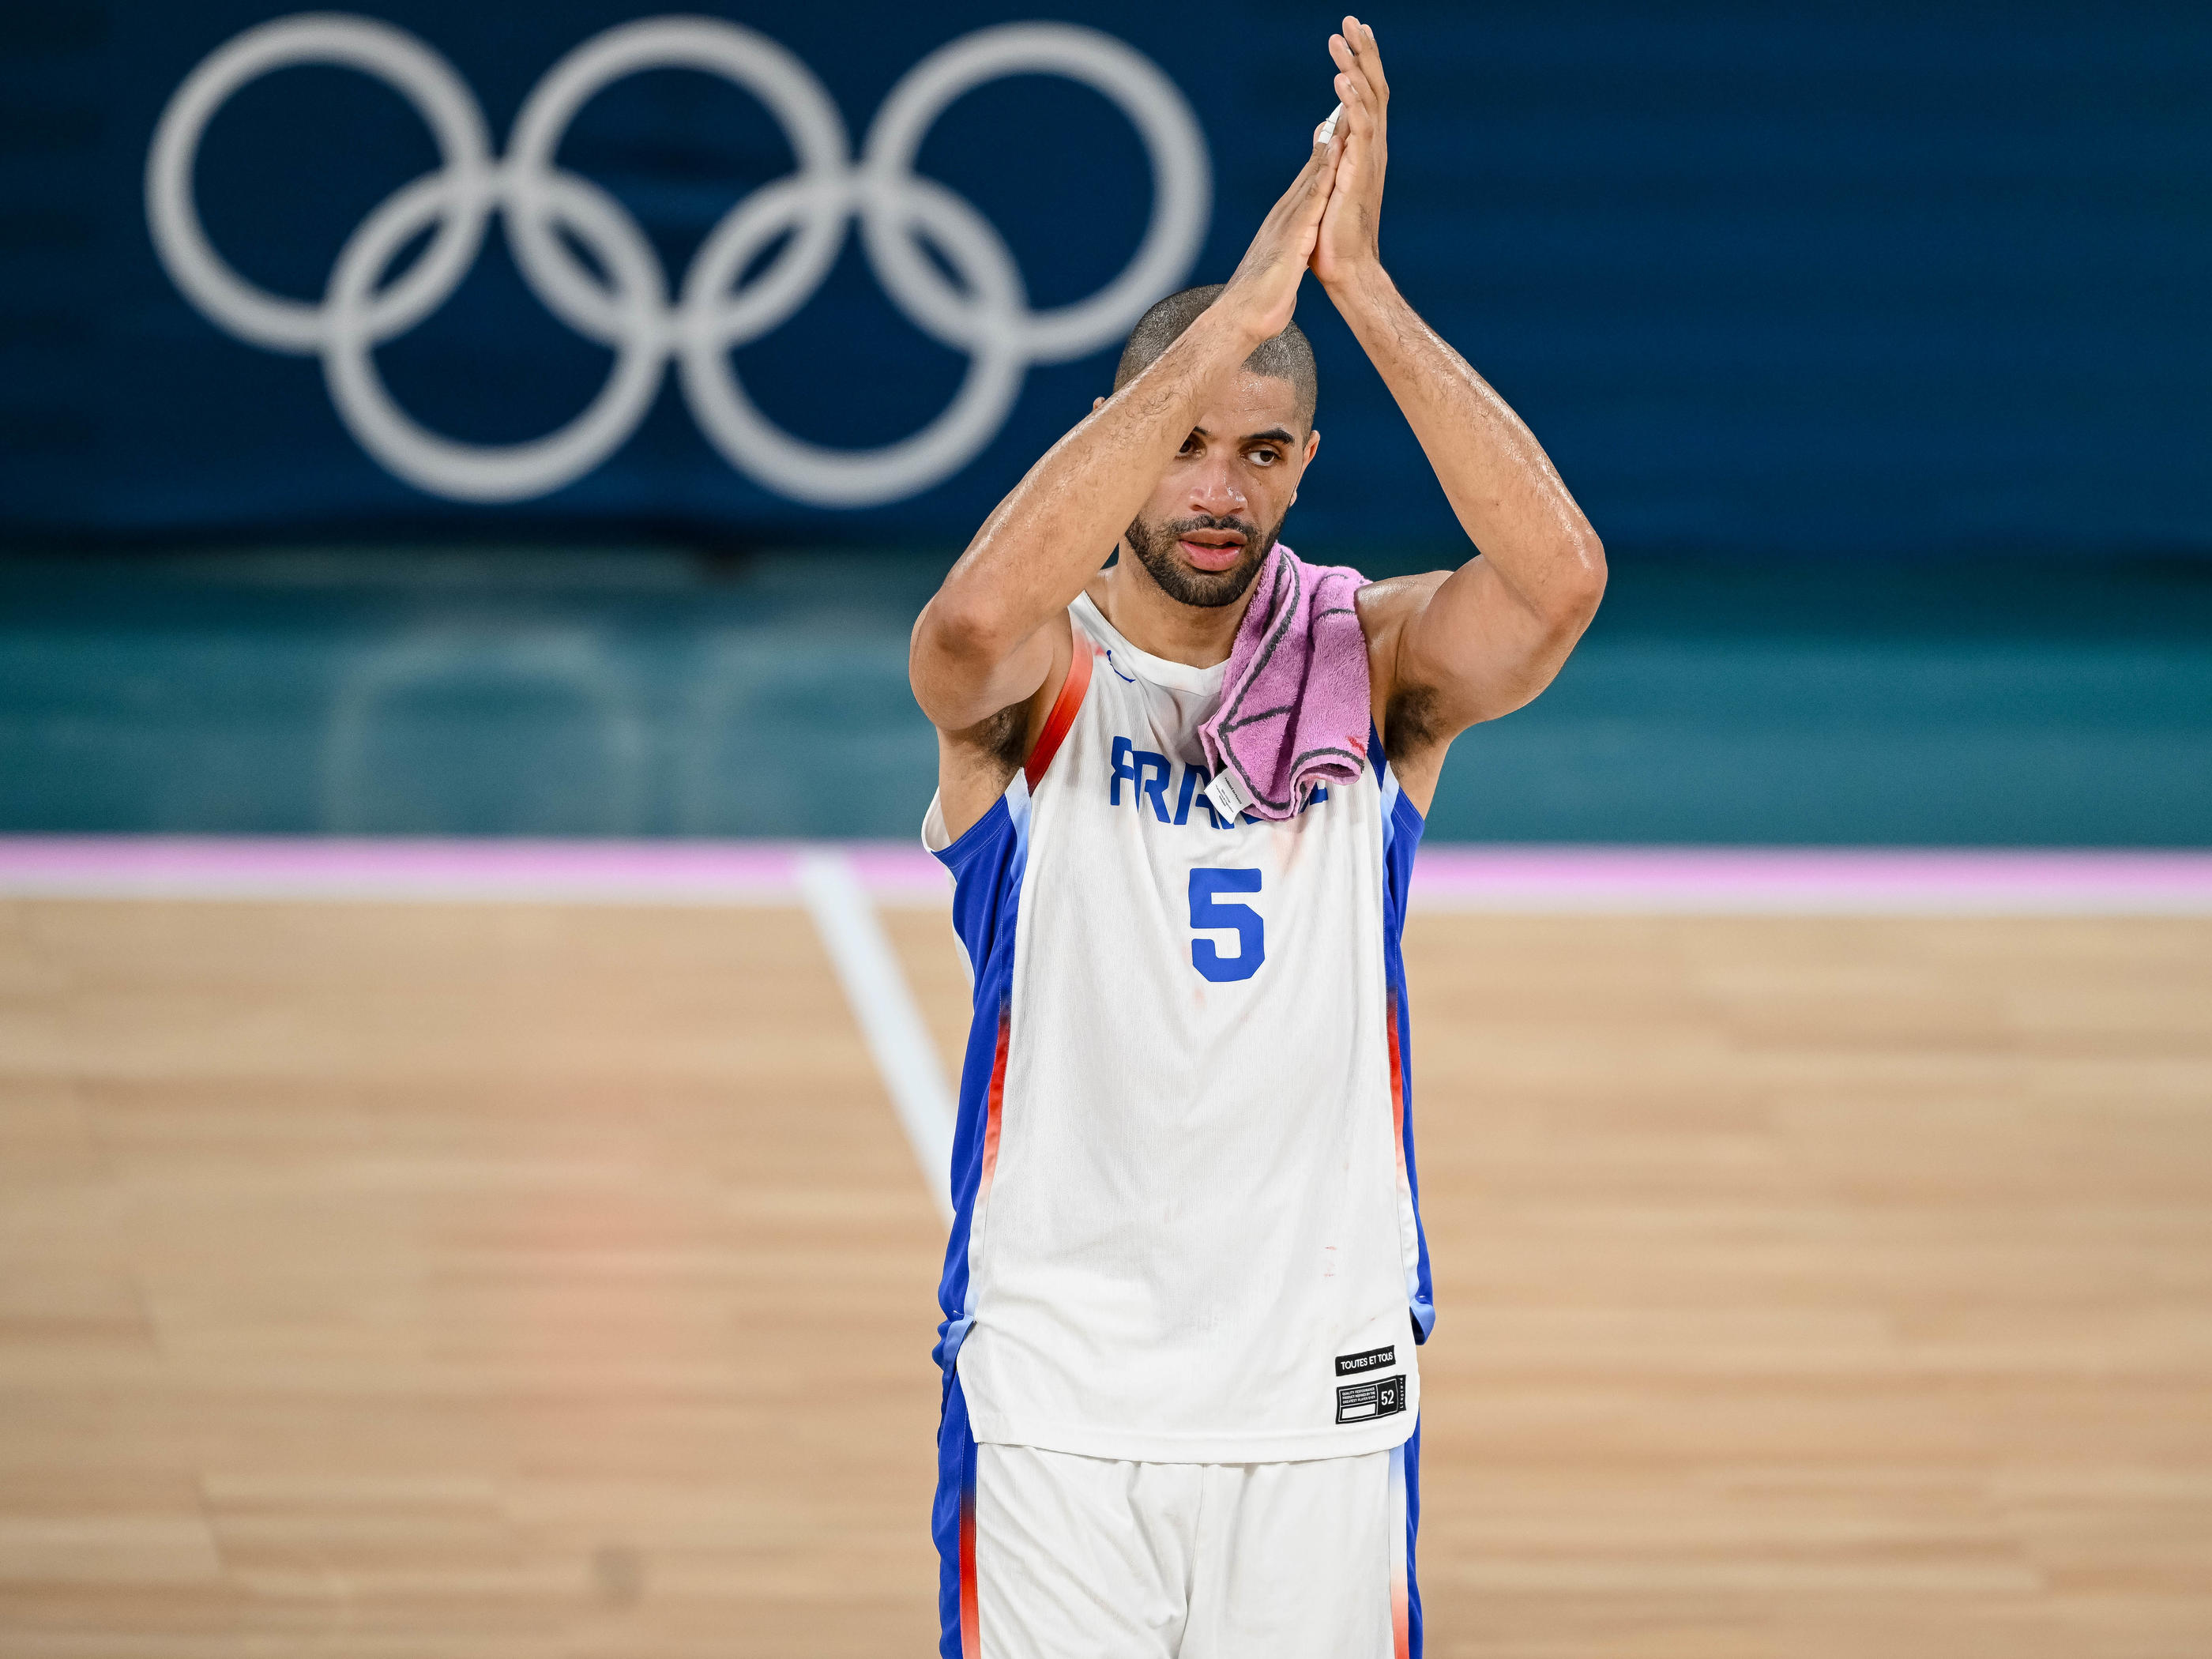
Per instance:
{"type": "Point", "coordinates": [468, 1281]}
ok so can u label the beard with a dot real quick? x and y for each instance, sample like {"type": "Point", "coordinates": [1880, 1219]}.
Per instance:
{"type": "Point", "coordinates": [1207, 590]}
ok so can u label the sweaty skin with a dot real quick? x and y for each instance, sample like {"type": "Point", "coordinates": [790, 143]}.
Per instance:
{"type": "Point", "coordinates": [1199, 460]}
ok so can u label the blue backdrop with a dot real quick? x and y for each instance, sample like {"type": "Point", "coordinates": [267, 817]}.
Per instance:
{"type": "Point", "coordinates": [1829, 280]}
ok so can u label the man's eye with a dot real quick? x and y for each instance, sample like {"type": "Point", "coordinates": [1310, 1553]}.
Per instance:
{"type": "Point", "coordinates": [1266, 457]}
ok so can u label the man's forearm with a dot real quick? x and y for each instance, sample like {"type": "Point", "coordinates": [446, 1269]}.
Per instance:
{"type": "Point", "coordinates": [1050, 536]}
{"type": "Point", "coordinates": [1508, 496]}
{"type": "Point", "coordinates": [980, 645]}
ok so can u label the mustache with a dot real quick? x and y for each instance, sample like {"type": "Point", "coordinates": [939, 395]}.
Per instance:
{"type": "Point", "coordinates": [1243, 527]}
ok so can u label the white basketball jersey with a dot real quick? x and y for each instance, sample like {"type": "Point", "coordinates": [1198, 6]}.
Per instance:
{"type": "Point", "coordinates": [1186, 1225]}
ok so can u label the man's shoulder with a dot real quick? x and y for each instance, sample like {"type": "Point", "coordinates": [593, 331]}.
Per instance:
{"type": "Point", "coordinates": [1384, 606]}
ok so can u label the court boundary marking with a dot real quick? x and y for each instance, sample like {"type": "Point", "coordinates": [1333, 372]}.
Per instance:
{"type": "Point", "coordinates": [1472, 879]}
{"type": "Point", "coordinates": [890, 1020]}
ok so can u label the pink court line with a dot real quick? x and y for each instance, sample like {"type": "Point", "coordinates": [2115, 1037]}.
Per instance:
{"type": "Point", "coordinates": [1815, 880]}
{"type": "Point", "coordinates": [613, 872]}
{"type": "Point", "coordinates": [1725, 880]}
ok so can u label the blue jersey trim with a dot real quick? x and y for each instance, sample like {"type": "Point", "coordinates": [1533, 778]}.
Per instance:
{"type": "Point", "coordinates": [1401, 838]}
{"type": "Point", "coordinates": [987, 862]}
{"type": "Point", "coordinates": [1411, 1451]}
{"type": "Point", "coordinates": [952, 1512]}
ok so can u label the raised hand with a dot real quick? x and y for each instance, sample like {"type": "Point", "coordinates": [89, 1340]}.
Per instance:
{"type": "Point", "coordinates": [1351, 223]}
{"type": "Point", "coordinates": [997, 634]}
{"type": "Point", "coordinates": [1263, 290]}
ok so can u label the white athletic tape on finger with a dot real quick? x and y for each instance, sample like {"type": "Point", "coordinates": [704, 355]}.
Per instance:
{"type": "Point", "coordinates": [1328, 129]}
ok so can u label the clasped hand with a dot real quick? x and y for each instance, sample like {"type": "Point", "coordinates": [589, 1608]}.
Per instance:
{"type": "Point", "coordinates": [1328, 221]}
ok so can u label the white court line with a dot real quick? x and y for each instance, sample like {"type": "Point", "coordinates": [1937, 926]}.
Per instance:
{"type": "Point", "coordinates": [876, 986]}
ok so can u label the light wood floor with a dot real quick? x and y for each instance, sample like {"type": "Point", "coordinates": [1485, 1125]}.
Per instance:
{"type": "Point", "coordinates": [462, 1281]}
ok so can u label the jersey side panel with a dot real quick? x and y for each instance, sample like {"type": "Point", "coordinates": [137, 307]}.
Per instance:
{"type": "Point", "coordinates": [1402, 839]}
{"type": "Point", "coordinates": [986, 863]}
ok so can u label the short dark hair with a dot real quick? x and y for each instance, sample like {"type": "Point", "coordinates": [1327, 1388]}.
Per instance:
{"type": "Point", "coordinates": [1287, 356]}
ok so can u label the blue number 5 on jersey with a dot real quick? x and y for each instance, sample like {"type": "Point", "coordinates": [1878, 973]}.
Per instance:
{"type": "Point", "coordinates": [1208, 911]}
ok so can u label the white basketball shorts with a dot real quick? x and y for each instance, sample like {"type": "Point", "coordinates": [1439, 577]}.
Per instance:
{"type": "Point", "coordinates": [1047, 1555]}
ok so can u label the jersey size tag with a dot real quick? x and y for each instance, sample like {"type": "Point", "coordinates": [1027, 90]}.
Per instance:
{"type": "Point", "coordinates": [1352, 1364]}
{"type": "Point", "coordinates": [1357, 1402]}
{"type": "Point", "coordinates": [1228, 795]}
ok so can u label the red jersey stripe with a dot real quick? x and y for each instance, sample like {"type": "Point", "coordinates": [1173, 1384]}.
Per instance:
{"type": "Point", "coordinates": [1064, 709]}
{"type": "Point", "coordinates": [993, 1103]}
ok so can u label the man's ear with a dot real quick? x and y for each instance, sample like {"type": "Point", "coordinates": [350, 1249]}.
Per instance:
{"type": "Point", "coordinates": [1313, 445]}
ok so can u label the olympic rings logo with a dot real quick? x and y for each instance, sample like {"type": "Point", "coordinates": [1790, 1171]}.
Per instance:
{"type": "Point", "coordinates": [625, 305]}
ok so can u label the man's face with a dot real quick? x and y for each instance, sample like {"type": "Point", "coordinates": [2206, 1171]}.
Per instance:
{"type": "Point", "coordinates": [1216, 510]}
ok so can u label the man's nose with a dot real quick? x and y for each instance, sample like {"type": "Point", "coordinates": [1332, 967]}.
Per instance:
{"type": "Point", "coordinates": [1214, 490]}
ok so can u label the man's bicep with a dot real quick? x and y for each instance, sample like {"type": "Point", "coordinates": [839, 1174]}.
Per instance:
{"type": "Point", "coordinates": [1471, 648]}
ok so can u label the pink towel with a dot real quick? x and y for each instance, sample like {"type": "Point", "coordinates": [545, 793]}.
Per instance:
{"type": "Point", "coordinates": [1294, 710]}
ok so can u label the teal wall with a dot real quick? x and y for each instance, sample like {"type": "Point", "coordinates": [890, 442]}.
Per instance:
{"type": "Point", "coordinates": [634, 691]}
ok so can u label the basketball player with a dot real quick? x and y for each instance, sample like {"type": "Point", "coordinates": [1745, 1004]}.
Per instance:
{"type": "Point", "coordinates": [1186, 1279]}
